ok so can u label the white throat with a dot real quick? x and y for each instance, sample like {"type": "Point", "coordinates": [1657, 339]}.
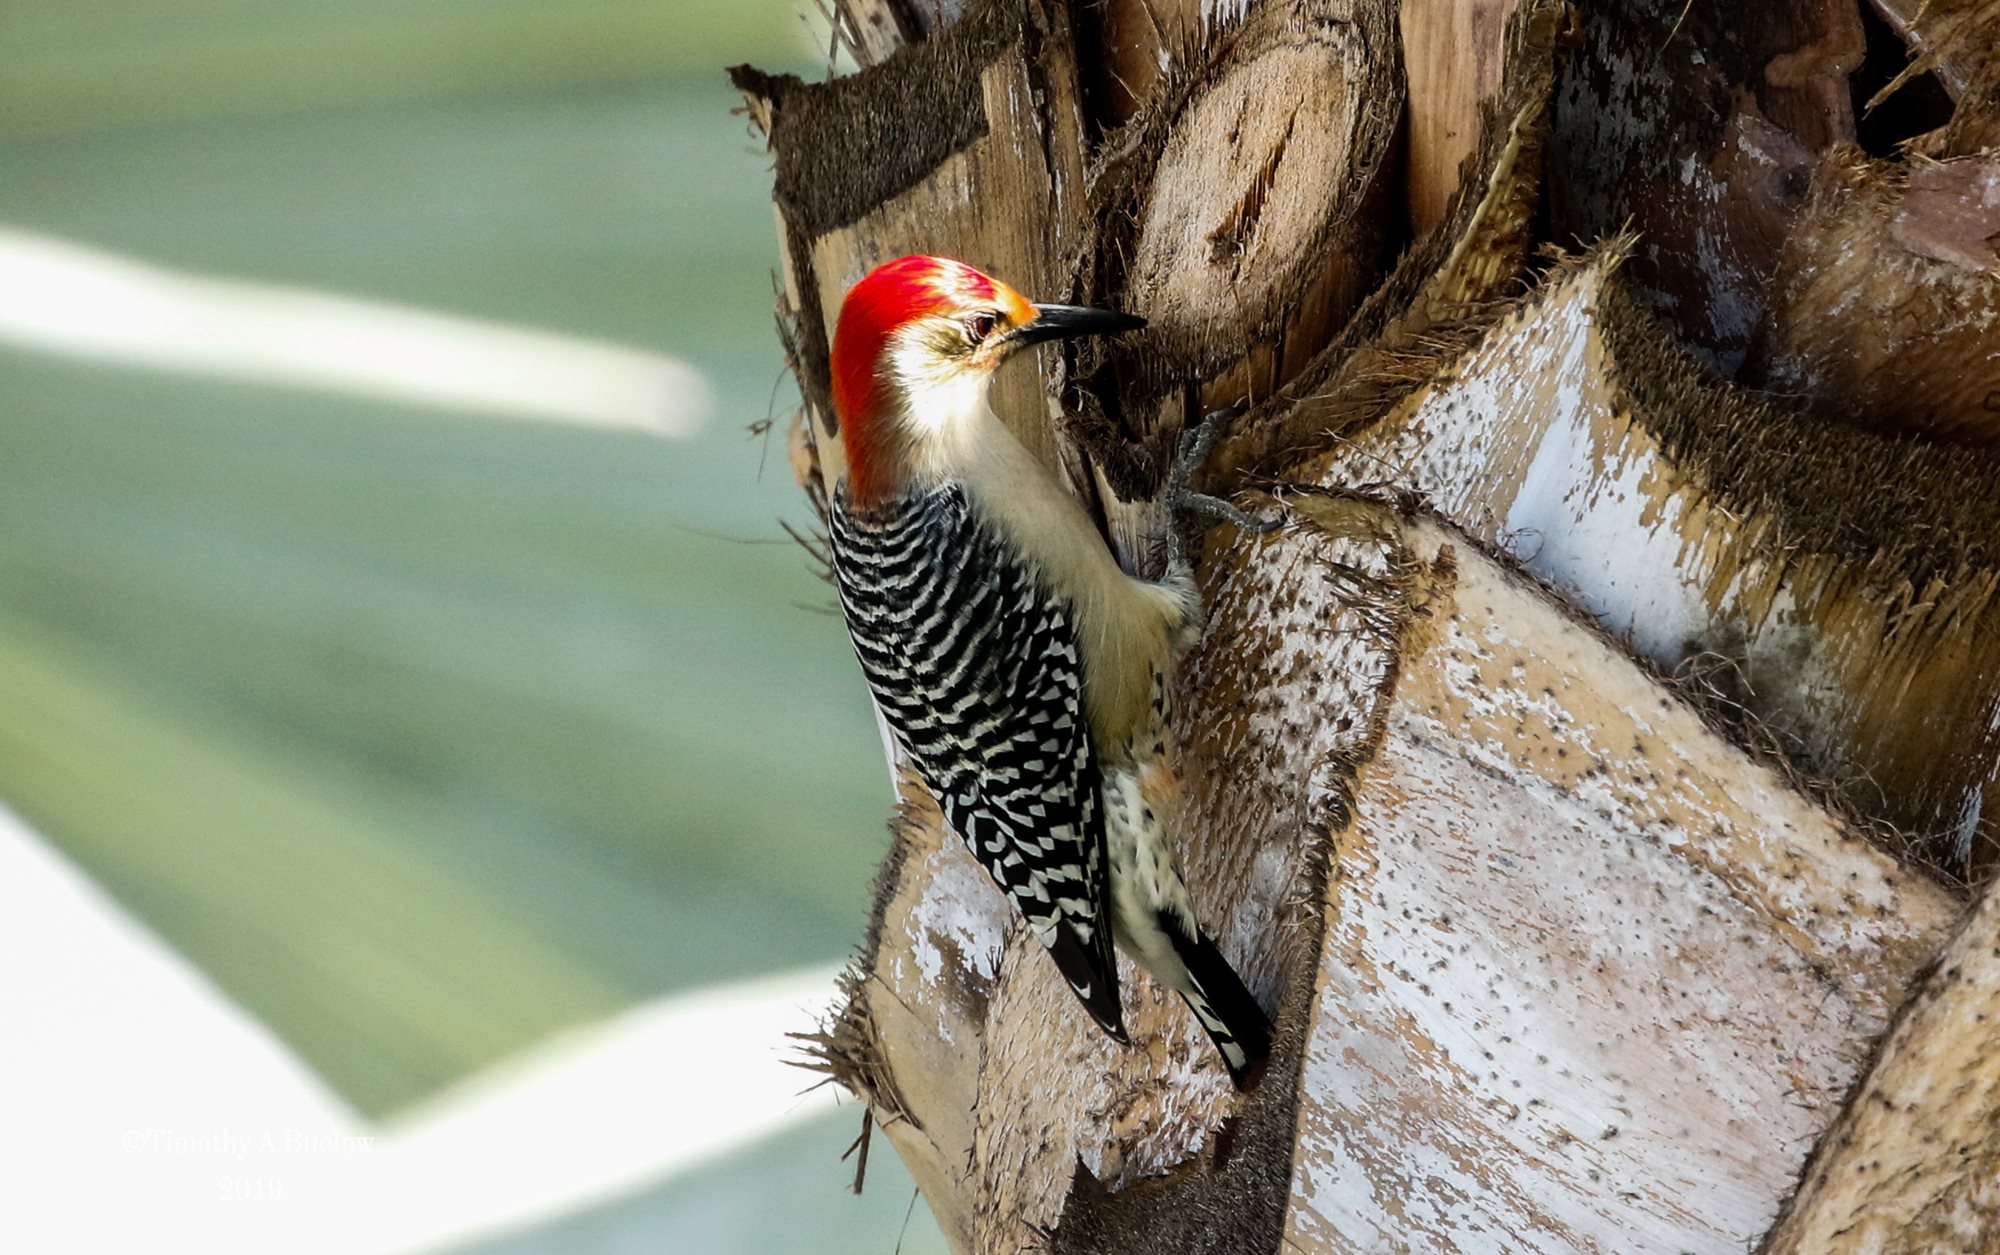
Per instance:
{"type": "Point", "coordinates": [944, 413]}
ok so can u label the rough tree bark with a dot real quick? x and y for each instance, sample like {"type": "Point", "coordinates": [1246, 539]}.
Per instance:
{"type": "Point", "coordinates": [1595, 772]}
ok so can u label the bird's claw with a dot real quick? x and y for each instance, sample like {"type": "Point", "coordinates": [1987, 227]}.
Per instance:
{"type": "Point", "coordinates": [1193, 511]}
{"type": "Point", "coordinates": [1199, 505]}
{"type": "Point", "coordinates": [1196, 444]}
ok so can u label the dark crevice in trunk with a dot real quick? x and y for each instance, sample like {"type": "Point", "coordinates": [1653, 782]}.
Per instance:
{"type": "Point", "coordinates": [1919, 106]}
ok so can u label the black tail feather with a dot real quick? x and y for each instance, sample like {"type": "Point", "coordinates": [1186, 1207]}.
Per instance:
{"type": "Point", "coordinates": [1240, 1029]}
{"type": "Point", "coordinates": [1092, 973]}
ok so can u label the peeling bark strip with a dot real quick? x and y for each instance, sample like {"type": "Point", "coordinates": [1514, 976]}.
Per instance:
{"type": "Point", "coordinates": [1132, 45]}
{"type": "Point", "coordinates": [1863, 623]}
{"type": "Point", "coordinates": [1914, 1165]}
{"type": "Point", "coordinates": [872, 30]}
{"type": "Point", "coordinates": [1455, 51]}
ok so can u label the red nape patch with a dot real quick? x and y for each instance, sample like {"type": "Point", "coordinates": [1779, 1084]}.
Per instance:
{"type": "Point", "coordinates": [891, 295]}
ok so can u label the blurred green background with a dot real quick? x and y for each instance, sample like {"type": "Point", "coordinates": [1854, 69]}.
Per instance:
{"type": "Point", "coordinates": [424, 734]}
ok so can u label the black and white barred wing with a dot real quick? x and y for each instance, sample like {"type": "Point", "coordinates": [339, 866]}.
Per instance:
{"type": "Point", "coordinates": [974, 666]}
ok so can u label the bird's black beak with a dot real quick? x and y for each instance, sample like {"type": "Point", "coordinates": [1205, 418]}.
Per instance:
{"type": "Point", "coordinates": [1066, 322]}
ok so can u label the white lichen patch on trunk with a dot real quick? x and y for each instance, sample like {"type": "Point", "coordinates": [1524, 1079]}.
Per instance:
{"type": "Point", "coordinates": [1592, 979]}
{"type": "Point", "coordinates": [960, 922]}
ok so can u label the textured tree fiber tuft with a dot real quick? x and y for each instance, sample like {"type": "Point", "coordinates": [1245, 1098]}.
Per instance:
{"type": "Point", "coordinates": [1888, 313]}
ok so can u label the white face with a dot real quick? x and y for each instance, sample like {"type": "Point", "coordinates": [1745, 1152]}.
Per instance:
{"type": "Point", "coordinates": [941, 367]}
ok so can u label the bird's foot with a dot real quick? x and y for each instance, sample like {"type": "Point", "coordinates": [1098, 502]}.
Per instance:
{"type": "Point", "coordinates": [1195, 512]}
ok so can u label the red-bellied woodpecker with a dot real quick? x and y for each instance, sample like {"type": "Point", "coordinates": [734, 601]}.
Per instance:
{"type": "Point", "coordinates": [1027, 677]}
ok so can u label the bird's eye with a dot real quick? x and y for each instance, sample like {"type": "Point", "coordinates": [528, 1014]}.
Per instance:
{"type": "Point", "coordinates": [979, 326]}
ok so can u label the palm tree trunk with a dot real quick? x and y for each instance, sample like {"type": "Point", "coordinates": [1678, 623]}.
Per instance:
{"type": "Point", "coordinates": [1592, 770]}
